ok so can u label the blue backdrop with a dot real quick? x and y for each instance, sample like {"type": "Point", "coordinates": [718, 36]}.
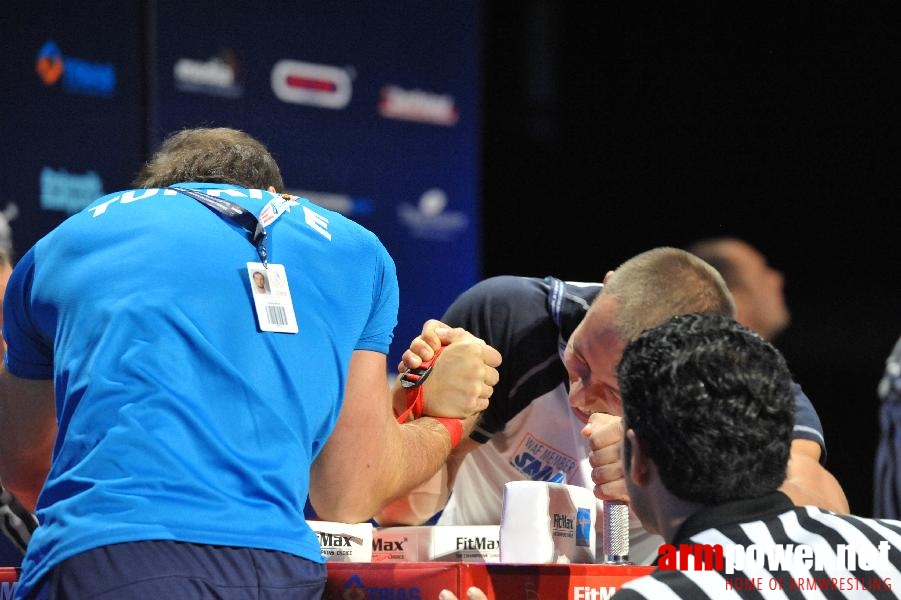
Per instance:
{"type": "Point", "coordinates": [371, 109]}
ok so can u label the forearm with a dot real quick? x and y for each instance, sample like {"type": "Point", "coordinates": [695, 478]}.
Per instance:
{"type": "Point", "coordinates": [807, 482]}
{"type": "Point", "coordinates": [828, 495]}
{"type": "Point", "coordinates": [813, 485]}
{"type": "Point", "coordinates": [28, 423]}
{"type": "Point", "coordinates": [400, 403]}
{"type": "Point", "coordinates": [429, 498]}
{"type": "Point", "coordinates": [370, 459]}
{"type": "Point", "coordinates": [386, 467]}
{"type": "Point", "coordinates": [24, 470]}
{"type": "Point", "coordinates": [419, 505]}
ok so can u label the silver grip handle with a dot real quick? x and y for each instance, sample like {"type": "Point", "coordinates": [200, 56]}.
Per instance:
{"type": "Point", "coordinates": [616, 533]}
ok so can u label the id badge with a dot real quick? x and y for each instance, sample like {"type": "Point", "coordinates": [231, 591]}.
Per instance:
{"type": "Point", "coordinates": [271, 297]}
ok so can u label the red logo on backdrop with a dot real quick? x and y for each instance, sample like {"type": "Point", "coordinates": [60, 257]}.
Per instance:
{"type": "Point", "coordinates": [419, 106]}
{"type": "Point", "coordinates": [299, 82]}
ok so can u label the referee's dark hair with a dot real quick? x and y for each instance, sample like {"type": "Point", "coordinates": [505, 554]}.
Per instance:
{"type": "Point", "coordinates": [712, 403]}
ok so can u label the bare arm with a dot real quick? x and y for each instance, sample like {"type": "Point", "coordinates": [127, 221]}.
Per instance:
{"type": "Point", "coordinates": [425, 500]}
{"type": "Point", "coordinates": [370, 459]}
{"type": "Point", "coordinates": [422, 502]}
{"type": "Point", "coordinates": [808, 482]}
{"type": "Point", "coordinates": [28, 423]}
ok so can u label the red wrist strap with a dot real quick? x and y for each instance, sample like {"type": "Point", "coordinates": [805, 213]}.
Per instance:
{"type": "Point", "coordinates": [412, 380]}
{"type": "Point", "coordinates": [454, 428]}
{"type": "Point", "coordinates": [414, 404]}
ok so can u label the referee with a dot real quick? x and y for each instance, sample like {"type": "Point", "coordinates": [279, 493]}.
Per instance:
{"type": "Point", "coordinates": [708, 420]}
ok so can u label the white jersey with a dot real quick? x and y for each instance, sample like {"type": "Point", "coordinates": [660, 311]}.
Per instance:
{"type": "Point", "coordinates": [543, 442]}
{"type": "Point", "coordinates": [529, 431]}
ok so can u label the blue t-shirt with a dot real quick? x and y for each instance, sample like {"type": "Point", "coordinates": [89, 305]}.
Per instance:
{"type": "Point", "coordinates": [178, 418]}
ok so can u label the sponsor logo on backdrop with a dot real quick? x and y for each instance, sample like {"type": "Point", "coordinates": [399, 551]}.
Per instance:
{"type": "Point", "coordinates": [429, 219]}
{"type": "Point", "coordinates": [355, 589]}
{"type": "Point", "coordinates": [75, 75]}
{"type": "Point", "coordinates": [68, 192]}
{"type": "Point", "coordinates": [325, 86]}
{"type": "Point", "coordinates": [7, 215]}
{"type": "Point", "coordinates": [219, 75]}
{"type": "Point", "coordinates": [347, 205]}
{"type": "Point", "coordinates": [586, 592]}
{"type": "Point", "coordinates": [418, 105]}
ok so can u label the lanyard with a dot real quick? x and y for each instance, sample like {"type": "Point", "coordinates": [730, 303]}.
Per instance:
{"type": "Point", "coordinates": [242, 217]}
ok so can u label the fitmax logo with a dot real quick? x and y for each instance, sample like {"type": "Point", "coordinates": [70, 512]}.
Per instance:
{"type": "Point", "coordinates": [477, 543]}
{"type": "Point", "coordinates": [380, 545]}
{"type": "Point", "coordinates": [76, 75]}
{"type": "Point", "coordinates": [336, 539]}
{"type": "Point", "coordinates": [581, 592]}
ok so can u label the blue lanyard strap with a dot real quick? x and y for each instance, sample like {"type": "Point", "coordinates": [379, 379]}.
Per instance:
{"type": "Point", "coordinates": [234, 213]}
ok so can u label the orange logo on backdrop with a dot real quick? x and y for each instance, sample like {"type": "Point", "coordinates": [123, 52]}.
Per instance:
{"type": "Point", "coordinates": [49, 69]}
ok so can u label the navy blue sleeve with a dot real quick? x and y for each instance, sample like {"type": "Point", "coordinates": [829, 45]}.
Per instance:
{"type": "Point", "coordinates": [510, 314]}
{"type": "Point", "coordinates": [9, 554]}
{"type": "Point", "coordinates": [807, 421]}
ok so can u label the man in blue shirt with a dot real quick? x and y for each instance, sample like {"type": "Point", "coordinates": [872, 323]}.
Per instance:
{"type": "Point", "coordinates": [193, 418]}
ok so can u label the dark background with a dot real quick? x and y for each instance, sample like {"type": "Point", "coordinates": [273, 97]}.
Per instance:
{"type": "Point", "coordinates": [608, 130]}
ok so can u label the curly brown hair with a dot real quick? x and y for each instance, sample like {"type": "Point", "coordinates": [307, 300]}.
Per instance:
{"type": "Point", "coordinates": [220, 155]}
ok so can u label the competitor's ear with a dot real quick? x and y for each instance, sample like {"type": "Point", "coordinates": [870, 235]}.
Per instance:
{"type": "Point", "coordinates": [607, 277]}
{"type": "Point", "coordinates": [272, 189]}
{"type": "Point", "coordinates": [635, 459]}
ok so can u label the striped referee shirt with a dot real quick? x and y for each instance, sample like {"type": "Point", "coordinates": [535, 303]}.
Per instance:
{"type": "Point", "coordinates": [767, 541]}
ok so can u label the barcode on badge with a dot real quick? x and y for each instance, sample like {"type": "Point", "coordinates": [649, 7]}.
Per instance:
{"type": "Point", "coordinates": [276, 314]}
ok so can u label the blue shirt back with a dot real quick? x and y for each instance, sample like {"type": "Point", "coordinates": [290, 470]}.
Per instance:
{"type": "Point", "coordinates": [178, 418]}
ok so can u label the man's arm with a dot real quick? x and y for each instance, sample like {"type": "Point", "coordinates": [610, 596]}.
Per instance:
{"type": "Point", "coordinates": [426, 500]}
{"type": "Point", "coordinates": [28, 426]}
{"type": "Point", "coordinates": [511, 314]}
{"type": "Point", "coordinates": [370, 459]}
{"type": "Point", "coordinates": [430, 497]}
{"type": "Point", "coordinates": [808, 482]}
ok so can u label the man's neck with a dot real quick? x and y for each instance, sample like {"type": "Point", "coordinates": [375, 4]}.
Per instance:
{"type": "Point", "coordinates": [672, 512]}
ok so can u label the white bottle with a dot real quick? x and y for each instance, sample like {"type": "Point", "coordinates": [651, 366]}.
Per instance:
{"type": "Point", "coordinates": [546, 522]}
